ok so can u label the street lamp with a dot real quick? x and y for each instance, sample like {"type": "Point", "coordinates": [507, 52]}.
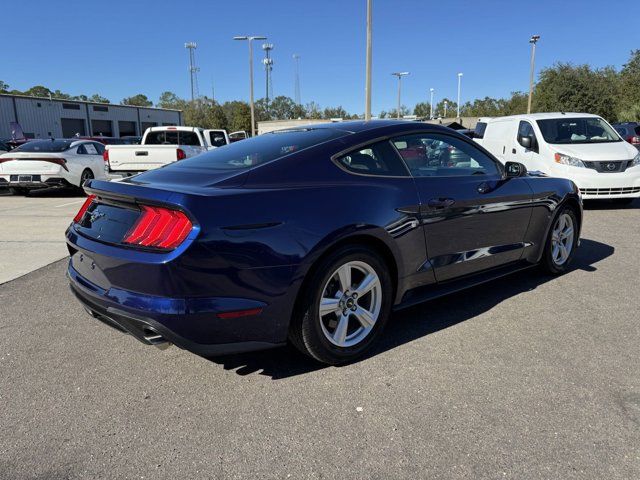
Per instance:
{"type": "Point", "coordinates": [399, 75]}
{"type": "Point", "coordinates": [431, 109]}
{"type": "Point", "coordinates": [459, 81]}
{"type": "Point", "coordinates": [250, 39]}
{"type": "Point", "coordinates": [533, 40]}
{"type": "Point", "coordinates": [367, 83]}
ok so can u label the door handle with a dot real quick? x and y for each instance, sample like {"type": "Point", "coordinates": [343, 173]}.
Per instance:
{"type": "Point", "coordinates": [513, 150]}
{"type": "Point", "coordinates": [440, 202]}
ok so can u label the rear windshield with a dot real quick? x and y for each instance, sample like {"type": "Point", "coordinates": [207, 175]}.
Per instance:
{"type": "Point", "coordinates": [172, 137]}
{"type": "Point", "coordinates": [577, 130]}
{"type": "Point", "coordinates": [48, 146]}
{"type": "Point", "coordinates": [261, 149]}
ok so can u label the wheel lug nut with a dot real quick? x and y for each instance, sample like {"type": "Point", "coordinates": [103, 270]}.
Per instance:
{"type": "Point", "coordinates": [355, 295]}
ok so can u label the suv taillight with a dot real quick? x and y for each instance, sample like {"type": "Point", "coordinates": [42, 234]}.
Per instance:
{"type": "Point", "coordinates": [180, 155]}
{"type": "Point", "coordinates": [83, 208]}
{"type": "Point", "coordinates": [105, 156]}
{"type": "Point", "coordinates": [159, 227]}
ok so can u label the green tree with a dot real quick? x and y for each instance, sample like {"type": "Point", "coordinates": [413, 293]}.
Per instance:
{"type": "Point", "coordinates": [394, 112]}
{"type": "Point", "coordinates": [238, 115]}
{"type": "Point", "coordinates": [138, 100]}
{"type": "Point", "coordinates": [629, 89]}
{"type": "Point", "coordinates": [204, 113]}
{"type": "Point", "coordinates": [313, 111]}
{"type": "Point", "coordinates": [516, 104]}
{"type": "Point", "coordinates": [171, 100]}
{"type": "Point", "coordinates": [421, 110]}
{"type": "Point", "coordinates": [98, 99]}
{"type": "Point", "coordinates": [282, 108]}
{"type": "Point", "coordinates": [451, 108]}
{"type": "Point", "coordinates": [568, 88]}
{"type": "Point", "coordinates": [38, 91]}
{"type": "Point", "coordinates": [4, 87]}
{"type": "Point", "coordinates": [482, 107]}
{"type": "Point", "coordinates": [335, 112]}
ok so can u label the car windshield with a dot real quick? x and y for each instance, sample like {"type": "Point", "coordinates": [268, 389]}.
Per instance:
{"type": "Point", "coordinates": [261, 149]}
{"type": "Point", "coordinates": [577, 130]}
{"type": "Point", "coordinates": [46, 146]}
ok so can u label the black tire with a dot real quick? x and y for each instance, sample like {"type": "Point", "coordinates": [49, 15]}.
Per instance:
{"type": "Point", "coordinates": [548, 264]}
{"type": "Point", "coordinates": [87, 174]}
{"type": "Point", "coordinates": [306, 331]}
{"type": "Point", "coordinates": [623, 201]}
{"type": "Point", "coordinates": [18, 191]}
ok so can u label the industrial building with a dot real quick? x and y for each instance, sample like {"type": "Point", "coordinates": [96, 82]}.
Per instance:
{"type": "Point", "coordinates": [58, 118]}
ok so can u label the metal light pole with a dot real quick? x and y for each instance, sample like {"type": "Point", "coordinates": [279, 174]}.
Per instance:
{"type": "Point", "coordinates": [297, 99]}
{"type": "Point", "coordinates": [399, 75]}
{"type": "Point", "coordinates": [367, 85]}
{"type": "Point", "coordinates": [250, 39]}
{"type": "Point", "coordinates": [446, 104]}
{"type": "Point", "coordinates": [431, 109]}
{"type": "Point", "coordinates": [267, 61]}
{"type": "Point", "coordinates": [459, 81]}
{"type": "Point", "coordinates": [533, 40]}
{"type": "Point", "coordinates": [191, 46]}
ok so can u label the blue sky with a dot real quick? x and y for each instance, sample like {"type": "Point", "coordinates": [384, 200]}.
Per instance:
{"type": "Point", "coordinates": [121, 48]}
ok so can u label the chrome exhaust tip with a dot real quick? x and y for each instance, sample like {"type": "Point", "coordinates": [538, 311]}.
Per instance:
{"type": "Point", "coordinates": [154, 338]}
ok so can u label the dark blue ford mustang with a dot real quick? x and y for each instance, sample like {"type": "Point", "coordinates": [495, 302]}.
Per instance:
{"type": "Point", "coordinates": [311, 235]}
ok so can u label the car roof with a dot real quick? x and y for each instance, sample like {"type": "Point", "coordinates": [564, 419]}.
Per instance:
{"type": "Point", "coordinates": [539, 116]}
{"type": "Point", "coordinates": [357, 126]}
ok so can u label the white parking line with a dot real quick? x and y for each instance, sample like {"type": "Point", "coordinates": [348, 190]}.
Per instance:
{"type": "Point", "coordinates": [70, 203]}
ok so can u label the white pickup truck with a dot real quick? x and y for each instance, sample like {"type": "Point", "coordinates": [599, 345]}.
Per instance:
{"type": "Point", "coordinates": [161, 146]}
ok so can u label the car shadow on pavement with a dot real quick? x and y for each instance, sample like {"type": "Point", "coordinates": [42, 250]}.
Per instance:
{"type": "Point", "coordinates": [416, 322]}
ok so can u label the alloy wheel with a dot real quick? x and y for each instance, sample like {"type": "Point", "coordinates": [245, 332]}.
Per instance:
{"type": "Point", "coordinates": [350, 304]}
{"type": "Point", "coordinates": [562, 238]}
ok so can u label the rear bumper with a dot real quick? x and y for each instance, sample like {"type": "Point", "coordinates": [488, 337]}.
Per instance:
{"type": "Point", "coordinates": [160, 321]}
{"type": "Point", "coordinates": [38, 181]}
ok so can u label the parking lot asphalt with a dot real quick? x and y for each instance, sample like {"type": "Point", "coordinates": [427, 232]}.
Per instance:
{"type": "Point", "coordinates": [32, 229]}
{"type": "Point", "coordinates": [529, 377]}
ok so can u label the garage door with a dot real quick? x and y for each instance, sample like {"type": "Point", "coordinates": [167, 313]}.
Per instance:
{"type": "Point", "coordinates": [102, 128]}
{"type": "Point", "coordinates": [146, 125]}
{"type": "Point", "coordinates": [72, 126]}
{"type": "Point", "coordinates": [127, 129]}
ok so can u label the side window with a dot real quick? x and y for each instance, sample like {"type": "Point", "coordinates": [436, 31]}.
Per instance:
{"type": "Point", "coordinates": [99, 148]}
{"type": "Point", "coordinates": [82, 150]}
{"type": "Point", "coordinates": [217, 139]}
{"type": "Point", "coordinates": [436, 155]}
{"type": "Point", "coordinates": [90, 149]}
{"type": "Point", "coordinates": [525, 130]}
{"type": "Point", "coordinates": [376, 159]}
{"type": "Point", "coordinates": [479, 130]}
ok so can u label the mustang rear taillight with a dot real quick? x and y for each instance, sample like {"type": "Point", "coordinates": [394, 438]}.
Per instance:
{"type": "Point", "coordinates": [5, 159]}
{"type": "Point", "coordinates": [159, 227]}
{"type": "Point", "coordinates": [83, 208]}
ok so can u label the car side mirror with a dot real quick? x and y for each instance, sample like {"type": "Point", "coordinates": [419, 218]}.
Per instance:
{"type": "Point", "coordinates": [515, 169]}
{"type": "Point", "coordinates": [525, 141]}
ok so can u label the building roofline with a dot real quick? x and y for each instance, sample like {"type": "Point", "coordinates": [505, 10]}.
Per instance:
{"type": "Point", "coordinates": [70, 100]}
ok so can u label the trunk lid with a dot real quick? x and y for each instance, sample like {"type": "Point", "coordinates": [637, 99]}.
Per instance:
{"type": "Point", "coordinates": [32, 163]}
